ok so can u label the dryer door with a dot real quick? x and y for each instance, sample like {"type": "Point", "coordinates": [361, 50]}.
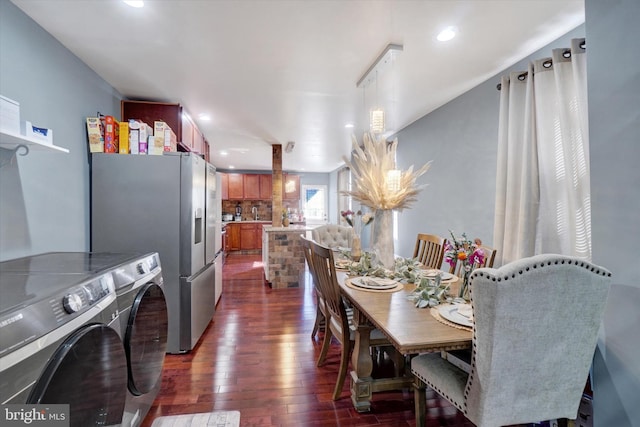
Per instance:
{"type": "Point", "coordinates": [145, 340]}
{"type": "Point", "coordinates": [88, 371]}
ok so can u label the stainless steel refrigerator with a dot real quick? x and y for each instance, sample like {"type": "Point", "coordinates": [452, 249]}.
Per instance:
{"type": "Point", "coordinates": [164, 204]}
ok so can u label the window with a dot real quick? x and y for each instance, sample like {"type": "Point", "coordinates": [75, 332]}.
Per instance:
{"type": "Point", "coordinates": [314, 203]}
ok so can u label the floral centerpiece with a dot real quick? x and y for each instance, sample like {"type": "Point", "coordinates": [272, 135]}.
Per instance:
{"type": "Point", "coordinates": [378, 185]}
{"type": "Point", "coordinates": [466, 252]}
{"type": "Point", "coordinates": [357, 220]}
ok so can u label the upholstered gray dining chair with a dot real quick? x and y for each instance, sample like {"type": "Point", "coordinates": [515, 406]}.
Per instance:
{"type": "Point", "coordinates": [333, 236]}
{"type": "Point", "coordinates": [535, 333]}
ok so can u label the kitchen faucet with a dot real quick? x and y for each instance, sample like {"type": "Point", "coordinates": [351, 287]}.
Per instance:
{"type": "Point", "coordinates": [254, 211]}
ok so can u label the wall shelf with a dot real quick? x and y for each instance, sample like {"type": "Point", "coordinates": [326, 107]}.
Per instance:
{"type": "Point", "coordinates": [12, 141]}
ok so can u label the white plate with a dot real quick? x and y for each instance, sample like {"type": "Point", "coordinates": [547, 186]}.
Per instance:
{"type": "Point", "coordinates": [374, 283]}
{"type": "Point", "coordinates": [343, 264]}
{"type": "Point", "coordinates": [457, 313]}
{"type": "Point", "coordinates": [443, 274]}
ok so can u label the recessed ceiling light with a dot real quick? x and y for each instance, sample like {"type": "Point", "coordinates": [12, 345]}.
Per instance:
{"type": "Point", "coordinates": [349, 125]}
{"type": "Point", "coordinates": [134, 3]}
{"type": "Point", "coordinates": [204, 117]}
{"type": "Point", "coordinates": [447, 34]}
{"type": "Point", "coordinates": [231, 167]}
{"type": "Point", "coordinates": [224, 153]}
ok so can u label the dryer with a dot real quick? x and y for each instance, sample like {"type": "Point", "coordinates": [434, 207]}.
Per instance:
{"type": "Point", "coordinates": [60, 344]}
{"type": "Point", "coordinates": [144, 327]}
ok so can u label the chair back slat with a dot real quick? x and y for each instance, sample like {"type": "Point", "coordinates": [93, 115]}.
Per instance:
{"type": "Point", "coordinates": [429, 250]}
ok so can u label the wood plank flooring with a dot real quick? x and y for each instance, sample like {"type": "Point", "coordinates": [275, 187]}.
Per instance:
{"type": "Point", "coordinates": [257, 357]}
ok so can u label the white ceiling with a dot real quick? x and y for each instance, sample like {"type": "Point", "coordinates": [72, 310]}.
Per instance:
{"type": "Point", "coordinates": [273, 71]}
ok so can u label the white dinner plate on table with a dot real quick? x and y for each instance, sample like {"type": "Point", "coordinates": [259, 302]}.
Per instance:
{"type": "Point", "coordinates": [460, 314]}
{"type": "Point", "coordinates": [343, 264]}
{"type": "Point", "coordinates": [373, 283]}
{"type": "Point", "coordinates": [444, 275]}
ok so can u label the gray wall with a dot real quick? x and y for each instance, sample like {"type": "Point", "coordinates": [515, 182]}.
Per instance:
{"type": "Point", "coordinates": [613, 74]}
{"type": "Point", "coordinates": [44, 196]}
{"type": "Point", "coordinates": [461, 138]}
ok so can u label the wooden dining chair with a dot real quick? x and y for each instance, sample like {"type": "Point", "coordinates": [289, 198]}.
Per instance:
{"type": "Point", "coordinates": [536, 323]}
{"type": "Point", "coordinates": [429, 250]}
{"type": "Point", "coordinates": [339, 323]}
{"type": "Point", "coordinates": [321, 308]}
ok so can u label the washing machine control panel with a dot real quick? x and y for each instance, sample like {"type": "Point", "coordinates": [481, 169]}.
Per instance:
{"type": "Point", "coordinates": [88, 294]}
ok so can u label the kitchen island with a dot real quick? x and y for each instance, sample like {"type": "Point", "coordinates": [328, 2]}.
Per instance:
{"type": "Point", "coordinates": [283, 255]}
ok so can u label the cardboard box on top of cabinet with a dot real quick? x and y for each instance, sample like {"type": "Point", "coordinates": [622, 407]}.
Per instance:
{"type": "Point", "coordinates": [96, 141]}
{"type": "Point", "coordinates": [9, 115]}
{"type": "Point", "coordinates": [165, 138]}
{"type": "Point", "coordinates": [110, 125]}
{"type": "Point", "coordinates": [123, 138]}
{"type": "Point", "coordinates": [139, 133]}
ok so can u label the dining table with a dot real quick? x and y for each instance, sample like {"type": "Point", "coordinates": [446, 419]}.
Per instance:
{"type": "Point", "coordinates": [409, 329]}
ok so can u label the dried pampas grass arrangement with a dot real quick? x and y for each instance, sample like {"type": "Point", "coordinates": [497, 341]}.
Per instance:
{"type": "Point", "coordinates": [369, 169]}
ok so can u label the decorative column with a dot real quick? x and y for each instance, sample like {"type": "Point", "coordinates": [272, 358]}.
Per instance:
{"type": "Point", "coordinates": [276, 185]}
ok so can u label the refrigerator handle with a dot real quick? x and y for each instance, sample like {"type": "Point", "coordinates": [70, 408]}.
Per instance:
{"type": "Point", "coordinates": [198, 232]}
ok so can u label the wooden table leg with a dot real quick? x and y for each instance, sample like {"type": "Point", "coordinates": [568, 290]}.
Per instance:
{"type": "Point", "coordinates": [362, 363]}
{"type": "Point", "coordinates": [420, 398]}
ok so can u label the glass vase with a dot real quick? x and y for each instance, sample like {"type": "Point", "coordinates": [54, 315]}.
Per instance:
{"type": "Point", "coordinates": [356, 248]}
{"type": "Point", "coordinates": [465, 271]}
{"type": "Point", "coordinates": [382, 237]}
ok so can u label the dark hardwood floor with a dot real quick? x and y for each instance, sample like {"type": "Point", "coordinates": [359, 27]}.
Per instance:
{"type": "Point", "coordinates": [257, 357]}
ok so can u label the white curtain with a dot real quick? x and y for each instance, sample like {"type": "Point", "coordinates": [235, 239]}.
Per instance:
{"type": "Point", "coordinates": [344, 184]}
{"type": "Point", "coordinates": [542, 187]}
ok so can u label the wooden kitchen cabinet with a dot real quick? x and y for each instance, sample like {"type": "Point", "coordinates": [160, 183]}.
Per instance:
{"type": "Point", "coordinates": [233, 237]}
{"type": "Point", "coordinates": [290, 187]}
{"type": "Point", "coordinates": [251, 186]}
{"type": "Point", "coordinates": [266, 191]}
{"type": "Point", "coordinates": [189, 136]}
{"type": "Point", "coordinates": [248, 237]}
{"type": "Point", "coordinates": [236, 186]}
{"type": "Point", "coordinates": [224, 186]}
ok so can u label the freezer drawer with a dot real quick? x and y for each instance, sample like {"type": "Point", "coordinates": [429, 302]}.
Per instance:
{"type": "Point", "coordinates": [197, 304]}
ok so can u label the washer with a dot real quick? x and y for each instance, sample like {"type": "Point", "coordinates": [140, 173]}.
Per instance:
{"type": "Point", "coordinates": [140, 309]}
{"type": "Point", "coordinates": [60, 343]}
{"type": "Point", "coordinates": [144, 325]}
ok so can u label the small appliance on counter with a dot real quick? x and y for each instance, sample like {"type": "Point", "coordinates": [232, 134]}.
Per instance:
{"type": "Point", "coordinates": [238, 216]}
{"type": "Point", "coordinates": [227, 217]}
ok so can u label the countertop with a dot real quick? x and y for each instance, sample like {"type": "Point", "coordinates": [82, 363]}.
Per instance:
{"type": "Point", "coordinates": [292, 228]}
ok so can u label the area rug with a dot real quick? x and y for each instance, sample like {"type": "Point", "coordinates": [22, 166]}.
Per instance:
{"type": "Point", "coordinates": [208, 419]}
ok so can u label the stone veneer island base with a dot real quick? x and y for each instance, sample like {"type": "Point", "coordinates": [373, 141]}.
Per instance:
{"type": "Point", "coordinates": [283, 256]}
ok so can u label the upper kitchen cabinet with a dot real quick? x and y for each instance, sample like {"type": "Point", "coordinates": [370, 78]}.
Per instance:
{"type": "Point", "coordinates": [290, 187]}
{"type": "Point", "coordinates": [236, 186]}
{"type": "Point", "coordinates": [265, 187]}
{"type": "Point", "coordinates": [224, 186]}
{"type": "Point", "coordinates": [251, 186]}
{"type": "Point", "coordinates": [190, 138]}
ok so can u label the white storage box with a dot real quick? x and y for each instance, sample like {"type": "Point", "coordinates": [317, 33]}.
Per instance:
{"type": "Point", "coordinates": [9, 115]}
{"type": "Point", "coordinates": [43, 135]}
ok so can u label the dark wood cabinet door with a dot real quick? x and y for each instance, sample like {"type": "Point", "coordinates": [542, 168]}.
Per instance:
{"type": "Point", "coordinates": [224, 186]}
{"type": "Point", "coordinates": [149, 112]}
{"type": "Point", "coordinates": [233, 237]}
{"type": "Point", "coordinates": [251, 186]}
{"type": "Point", "coordinates": [266, 192]}
{"type": "Point", "coordinates": [236, 186]}
{"type": "Point", "coordinates": [248, 237]}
